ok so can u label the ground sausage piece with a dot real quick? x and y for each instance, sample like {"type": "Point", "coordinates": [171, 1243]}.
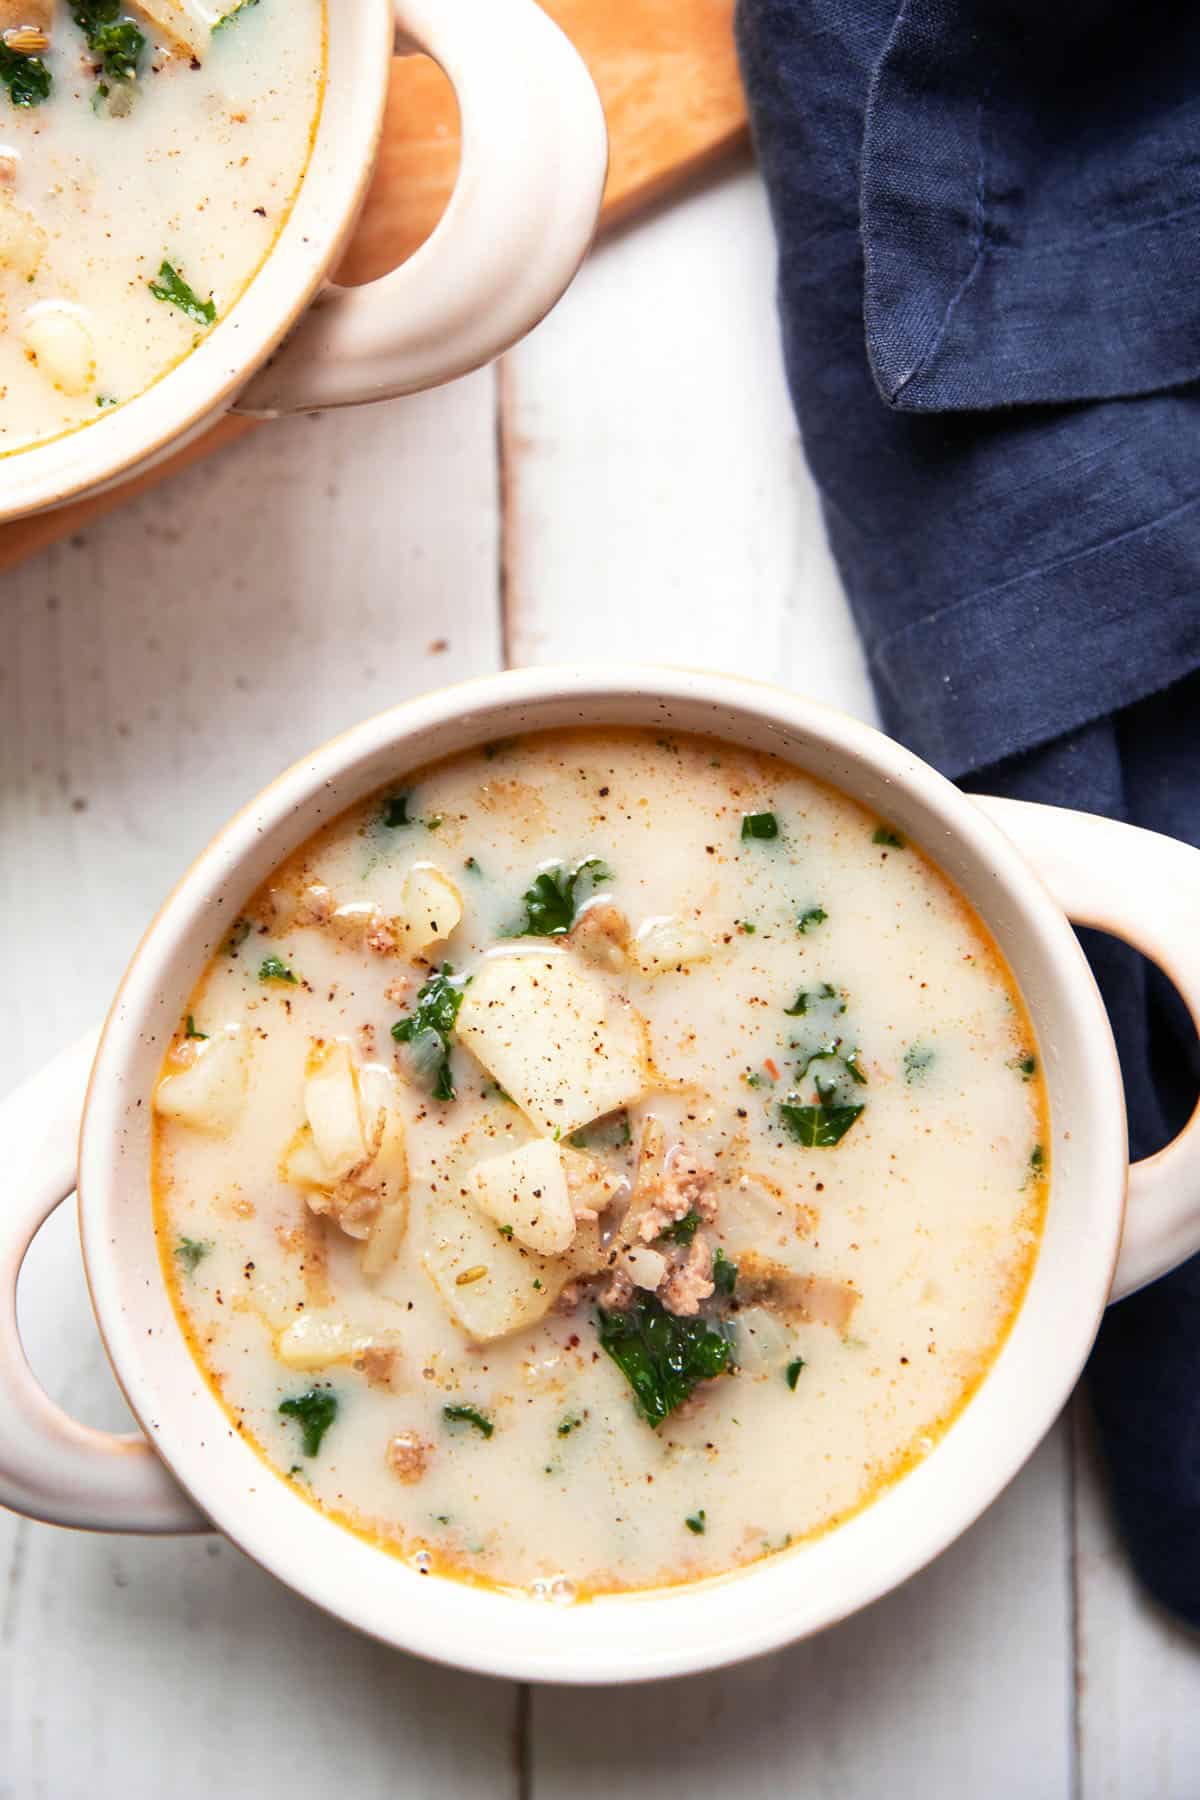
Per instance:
{"type": "Point", "coordinates": [601, 935]}
{"type": "Point", "coordinates": [619, 1292]}
{"type": "Point", "coordinates": [378, 1364]}
{"type": "Point", "coordinates": [408, 1455]}
{"type": "Point", "coordinates": [684, 1186]}
{"type": "Point", "coordinates": [690, 1281]}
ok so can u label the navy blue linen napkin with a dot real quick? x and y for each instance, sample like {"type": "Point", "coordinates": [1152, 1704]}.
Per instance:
{"type": "Point", "coordinates": [989, 235]}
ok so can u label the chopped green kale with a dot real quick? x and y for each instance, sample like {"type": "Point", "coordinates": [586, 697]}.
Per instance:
{"type": "Point", "coordinates": [235, 12]}
{"type": "Point", "coordinates": [724, 1274]}
{"type": "Point", "coordinates": [918, 1060]}
{"type": "Point", "coordinates": [792, 1373]}
{"type": "Point", "coordinates": [189, 1029]}
{"type": "Point", "coordinates": [115, 43]}
{"type": "Point", "coordinates": [395, 812]}
{"type": "Point", "coordinates": [887, 837]}
{"type": "Point", "coordinates": [1037, 1159]}
{"type": "Point", "coordinates": [459, 1414]}
{"type": "Point", "coordinates": [550, 903]}
{"type": "Point", "coordinates": [806, 1001]}
{"type": "Point", "coordinates": [191, 1252]}
{"type": "Point", "coordinates": [314, 1412]}
{"type": "Point", "coordinates": [683, 1230]}
{"type": "Point", "coordinates": [1026, 1066]}
{"type": "Point", "coordinates": [27, 78]}
{"type": "Point", "coordinates": [273, 969]}
{"type": "Point", "coordinates": [237, 937]}
{"type": "Point", "coordinates": [697, 1523]}
{"type": "Point", "coordinates": [818, 1127]}
{"type": "Point", "coordinates": [610, 1133]}
{"type": "Point", "coordinates": [175, 291]}
{"type": "Point", "coordinates": [569, 1423]}
{"type": "Point", "coordinates": [763, 826]}
{"type": "Point", "coordinates": [814, 915]}
{"type": "Point", "coordinates": [428, 1030]}
{"type": "Point", "coordinates": [663, 1358]}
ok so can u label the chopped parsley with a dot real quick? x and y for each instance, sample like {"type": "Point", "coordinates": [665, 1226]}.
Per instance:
{"type": "Point", "coordinates": [762, 826]}
{"type": "Point", "coordinates": [395, 812]}
{"type": "Point", "coordinates": [27, 78]}
{"type": "Point", "coordinates": [887, 837]}
{"type": "Point", "coordinates": [189, 1029]}
{"type": "Point", "coordinates": [428, 1030]}
{"type": "Point", "coordinates": [175, 291]}
{"type": "Point", "coordinates": [808, 999]}
{"type": "Point", "coordinates": [697, 1523]}
{"type": "Point", "coordinates": [459, 1414]}
{"type": "Point", "coordinates": [813, 915]}
{"type": "Point", "coordinates": [792, 1373]}
{"type": "Point", "coordinates": [115, 43]}
{"type": "Point", "coordinates": [817, 1127]}
{"type": "Point", "coordinates": [273, 969]}
{"type": "Point", "coordinates": [683, 1230]}
{"type": "Point", "coordinates": [571, 1422]}
{"type": "Point", "coordinates": [235, 12]}
{"type": "Point", "coordinates": [918, 1060]}
{"type": "Point", "coordinates": [663, 1358]}
{"type": "Point", "coordinates": [550, 903]}
{"type": "Point", "coordinates": [237, 937]}
{"type": "Point", "coordinates": [314, 1412]}
{"type": "Point", "coordinates": [724, 1274]}
{"type": "Point", "coordinates": [191, 1252]}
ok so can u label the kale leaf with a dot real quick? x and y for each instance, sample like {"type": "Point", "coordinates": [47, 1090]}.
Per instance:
{"type": "Point", "coordinates": [458, 1414]}
{"type": "Point", "coordinates": [116, 43]}
{"type": "Point", "coordinates": [172, 288]}
{"type": "Point", "coordinates": [818, 1127]}
{"type": "Point", "coordinates": [428, 1029]}
{"type": "Point", "coordinates": [663, 1358]}
{"type": "Point", "coordinates": [315, 1413]}
{"type": "Point", "coordinates": [191, 1252]}
{"type": "Point", "coordinates": [550, 901]}
{"type": "Point", "coordinates": [27, 78]}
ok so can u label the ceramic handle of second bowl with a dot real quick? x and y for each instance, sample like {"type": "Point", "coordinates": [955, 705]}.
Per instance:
{"type": "Point", "coordinates": [523, 212]}
{"type": "Point", "coordinates": [52, 1467]}
{"type": "Point", "coordinates": [1144, 888]}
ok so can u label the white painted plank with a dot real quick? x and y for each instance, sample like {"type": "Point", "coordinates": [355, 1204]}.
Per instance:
{"type": "Point", "coordinates": [152, 676]}
{"type": "Point", "coordinates": [658, 504]}
{"type": "Point", "coordinates": [1139, 1671]}
{"type": "Point", "coordinates": [957, 1684]}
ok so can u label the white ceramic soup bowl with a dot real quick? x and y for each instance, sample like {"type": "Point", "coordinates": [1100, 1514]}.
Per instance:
{"type": "Point", "coordinates": [1024, 868]}
{"type": "Point", "coordinates": [533, 160]}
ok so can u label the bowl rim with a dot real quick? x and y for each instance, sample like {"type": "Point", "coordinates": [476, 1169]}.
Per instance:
{"type": "Point", "coordinates": [204, 383]}
{"type": "Point", "coordinates": [724, 1619]}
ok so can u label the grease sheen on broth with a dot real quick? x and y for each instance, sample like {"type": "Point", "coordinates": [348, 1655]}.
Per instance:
{"type": "Point", "coordinates": [145, 174]}
{"type": "Point", "coordinates": [820, 1177]}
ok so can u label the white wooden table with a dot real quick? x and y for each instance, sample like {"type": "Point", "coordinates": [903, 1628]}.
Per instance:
{"type": "Point", "coordinates": [630, 482]}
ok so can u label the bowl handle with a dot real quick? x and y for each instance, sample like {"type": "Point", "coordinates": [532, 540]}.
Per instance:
{"type": "Point", "coordinates": [51, 1467]}
{"type": "Point", "coordinates": [1144, 888]}
{"type": "Point", "coordinates": [520, 219]}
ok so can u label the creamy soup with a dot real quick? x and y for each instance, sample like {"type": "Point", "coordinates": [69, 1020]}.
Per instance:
{"type": "Point", "coordinates": [149, 156]}
{"type": "Point", "coordinates": [599, 1161]}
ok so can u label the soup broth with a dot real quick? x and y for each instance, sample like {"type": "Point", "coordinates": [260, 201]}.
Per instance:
{"type": "Point", "coordinates": [147, 164]}
{"type": "Point", "coordinates": [599, 1161]}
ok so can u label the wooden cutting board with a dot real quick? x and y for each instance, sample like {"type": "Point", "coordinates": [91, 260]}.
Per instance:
{"type": "Point", "coordinates": [668, 77]}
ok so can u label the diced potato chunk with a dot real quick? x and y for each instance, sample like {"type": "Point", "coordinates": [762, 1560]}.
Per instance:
{"type": "Point", "coordinates": [670, 943]}
{"type": "Point", "coordinates": [432, 908]}
{"type": "Point", "coordinates": [315, 1340]}
{"type": "Point", "coordinates": [210, 1093]}
{"type": "Point", "coordinates": [645, 1267]}
{"type": "Point", "coordinates": [59, 342]}
{"type": "Point", "coordinates": [527, 1192]}
{"type": "Point", "coordinates": [22, 241]}
{"type": "Point", "coordinates": [185, 25]}
{"type": "Point", "coordinates": [331, 1107]}
{"type": "Point", "coordinates": [489, 1284]}
{"type": "Point", "coordinates": [555, 1039]}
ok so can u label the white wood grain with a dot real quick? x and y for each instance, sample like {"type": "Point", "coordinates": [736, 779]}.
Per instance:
{"type": "Point", "coordinates": [152, 676]}
{"type": "Point", "coordinates": [658, 504]}
{"type": "Point", "coordinates": [1138, 1671]}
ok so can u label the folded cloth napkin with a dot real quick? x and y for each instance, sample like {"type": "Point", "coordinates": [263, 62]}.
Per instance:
{"type": "Point", "coordinates": [989, 235]}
